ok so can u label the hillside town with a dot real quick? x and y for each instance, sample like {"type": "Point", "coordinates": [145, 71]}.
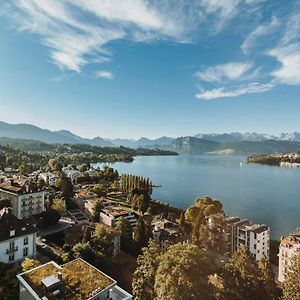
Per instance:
{"type": "Point", "coordinates": [63, 224]}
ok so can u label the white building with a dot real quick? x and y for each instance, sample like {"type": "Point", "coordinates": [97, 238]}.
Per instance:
{"type": "Point", "coordinates": [289, 246]}
{"type": "Point", "coordinates": [17, 238]}
{"type": "Point", "coordinates": [256, 237]}
{"type": "Point", "coordinates": [26, 198]}
{"type": "Point", "coordinates": [72, 174]}
{"type": "Point", "coordinates": [49, 178]}
{"type": "Point", "coordinates": [110, 214]}
{"type": "Point", "coordinates": [76, 280]}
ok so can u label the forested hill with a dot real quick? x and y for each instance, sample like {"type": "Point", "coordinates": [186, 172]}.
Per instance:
{"type": "Point", "coordinates": [37, 146]}
{"type": "Point", "coordinates": [276, 159]}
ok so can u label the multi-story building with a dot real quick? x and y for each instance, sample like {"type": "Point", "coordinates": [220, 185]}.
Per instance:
{"type": "Point", "coordinates": [76, 280]}
{"type": "Point", "coordinates": [26, 198]}
{"type": "Point", "coordinates": [256, 237]}
{"type": "Point", "coordinates": [110, 214]}
{"type": "Point", "coordinates": [72, 174]}
{"type": "Point", "coordinates": [17, 238]}
{"type": "Point", "coordinates": [289, 246]}
{"type": "Point", "coordinates": [167, 233]}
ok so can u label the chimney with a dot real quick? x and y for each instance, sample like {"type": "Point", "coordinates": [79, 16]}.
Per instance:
{"type": "Point", "coordinates": [59, 276]}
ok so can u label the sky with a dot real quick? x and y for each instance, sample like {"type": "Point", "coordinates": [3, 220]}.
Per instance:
{"type": "Point", "coordinates": [132, 68]}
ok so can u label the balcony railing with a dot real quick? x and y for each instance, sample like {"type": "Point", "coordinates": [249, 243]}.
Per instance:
{"type": "Point", "coordinates": [11, 250]}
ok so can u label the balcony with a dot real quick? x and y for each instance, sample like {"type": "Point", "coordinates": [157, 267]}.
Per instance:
{"type": "Point", "coordinates": [12, 250]}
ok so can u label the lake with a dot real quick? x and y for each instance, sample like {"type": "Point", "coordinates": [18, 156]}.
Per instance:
{"type": "Point", "coordinates": [263, 194]}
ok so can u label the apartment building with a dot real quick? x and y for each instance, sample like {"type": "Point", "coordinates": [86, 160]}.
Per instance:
{"type": "Point", "coordinates": [26, 198]}
{"type": "Point", "coordinates": [76, 280]}
{"type": "Point", "coordinates": [17, 238]}
{"type": "Point", "coordinates": [49, 178]}
{"type": "Point", "coordinates": [289, 246]}
{"type": "Point", "coordinates": [256, 237]}
{"type": "Point", "coordinates": [110, 214]}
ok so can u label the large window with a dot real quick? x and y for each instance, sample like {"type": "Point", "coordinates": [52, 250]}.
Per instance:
{"type": "Point", "coordinates": [11, 257]}
{"type": "Point", "coordinates": [26, 241]}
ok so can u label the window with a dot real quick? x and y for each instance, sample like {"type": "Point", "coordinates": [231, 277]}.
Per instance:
{"type": "Point", "coordinates": [11, 257]}
{"type": "Point", "coordinates": [25, 251]}
{"type": "Point", "coordinates": [12, 233]}
{"type": "Point", "coordinates": [11, 245]}
{"type": "Point", "coordinates": [26, 241]}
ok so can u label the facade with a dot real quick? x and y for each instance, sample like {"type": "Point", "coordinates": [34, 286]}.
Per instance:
{"type": "Point", "coordinates": [26, 198]}
{"type": "Point", "coordinates": [17, 238]}
{"type": "Point", "coordinates": [82, 196]}
{"type": "Point", "coordinates": [76, 280]}
{"type": "Point", "coordinates": [110, 214]}
{"type": "Point", "coordinates": [49, 178]}
{"type": "Point", "coordinates": [256, 237]}
{"type": "Point", "coordinates": [289, 246]}
{"type": "Point", "coordinates": [72, 174]}
{"type": "Point", "coordinates": [167, 233]}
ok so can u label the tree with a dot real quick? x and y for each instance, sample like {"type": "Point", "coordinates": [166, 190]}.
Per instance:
{"type": "Point", "coordinates": [29, 264]}
{"type": "Point", "coordinates": [59, 205]}
{"type": "Point", "coordinates": [291, 286]}
{"type": "Point", "coordinates": [267, 278]}
{"type": "Point", "coordinates": [241, 278]}
{"type": "Point", "coordinates": [52, 163]}
{"type": "Point", "coordinates": [140, 234]}
{"type": "Point", "coordinates": [66, 187]}
{"type": "Point", "coordinates": [97, 209]}
{"type": "Point", "coordinates": [49, 218]}
{"type": "Point", "coordinates": [83, 168]}
{"type": "Point", "coordinates": [183, 274]}
{"type": "Point", "coordinates": [144, 275]}
{"type": "Point", "coordinates": [123, 225]}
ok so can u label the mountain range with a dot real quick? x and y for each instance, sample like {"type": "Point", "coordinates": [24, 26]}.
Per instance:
{"type": "Point", "coordinates": [235, 142]}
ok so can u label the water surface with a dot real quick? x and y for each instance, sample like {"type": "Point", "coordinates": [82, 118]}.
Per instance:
{"type": "Point", "coordinates": [264, 194]}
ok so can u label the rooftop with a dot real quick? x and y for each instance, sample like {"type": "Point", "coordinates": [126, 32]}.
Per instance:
{"type": "Point", "coordinates": [117, 211]}
{"type": "Point", "coordinates": [79, 280]}
{"type": "Point", "coordinates": [19, 186]}
{"type": "Point", "coordinates": [9, 222]}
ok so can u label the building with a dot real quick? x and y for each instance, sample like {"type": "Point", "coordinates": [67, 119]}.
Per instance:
{"type": "Point", "coordinates": [289, 246]}
{"type": "Point", "coordinates": [82, 196]}
{"type": "Point", "coordinates": [26, 198]}
{"type": "Point", "coordinates": [167, 233]}
{"type": "Point", "coordinates": [49, 178]}
{"type": "Point", "coordinates": [110, 214]}
{"type": "Point", "coordinates": [72, 174]}
{"type": "Point", "coordinates": [256, 237]}
{"type": "Point", "coordinates": [76, 280]}
{"type": "Point", "coordinates": [17, 238]}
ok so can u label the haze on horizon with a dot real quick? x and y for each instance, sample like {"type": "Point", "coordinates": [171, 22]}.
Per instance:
{"type": "Point", "coordinates": [137, 68]}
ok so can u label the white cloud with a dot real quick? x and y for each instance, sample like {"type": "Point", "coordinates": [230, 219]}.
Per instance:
{"type": "Point", "coordinates": [289, 57]}
{"type": "Point", "coordinates": [234, 92]}
{"type": "Point", "coordinates": [77, 31]}
{"type": "Point", "coordinates": [104, 75]}
{"type": "Point", "coordinates": [256, 36]}
{"type": "Point", "coordinates": [229, 71]}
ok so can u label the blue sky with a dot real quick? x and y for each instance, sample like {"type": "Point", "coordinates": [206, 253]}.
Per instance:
{"type": "Point", "coordinates": [131, 68]}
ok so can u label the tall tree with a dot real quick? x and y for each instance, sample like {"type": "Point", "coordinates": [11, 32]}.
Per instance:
{"type": "Point", "coordinates": [183, 274]}
{"type": "Point", "coordinates": [291, 286]}
{"type": "Point", "coordinates": [144, 275]}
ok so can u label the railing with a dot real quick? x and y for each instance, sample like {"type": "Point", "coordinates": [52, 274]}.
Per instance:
{"type": "Point", "coordinates": [15, 249]}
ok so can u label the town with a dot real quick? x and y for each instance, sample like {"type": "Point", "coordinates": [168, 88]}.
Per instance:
{"type": "Point", "coordinates": [76, 232]}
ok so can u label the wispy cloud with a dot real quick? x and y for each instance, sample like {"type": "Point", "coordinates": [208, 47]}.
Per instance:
{"type": "Point", "coordinates": [289, 58]}
{"type": "Point", "coordinates": [259, 34]}
{"type": "Point", "coordinates": [77, 31]}
{"type": "Point", "coordinates": [234, 92]}
{"type": "Point", "coordinates": [229, 71]}
{"type": "Point", "coordinates": [104, 75]}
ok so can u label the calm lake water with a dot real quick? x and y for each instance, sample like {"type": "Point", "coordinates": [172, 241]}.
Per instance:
{"type": "Point", "coordinates": [264, 194]}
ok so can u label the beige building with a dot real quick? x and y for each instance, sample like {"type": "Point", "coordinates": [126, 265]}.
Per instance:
{"type": "Point", "coordinates": [289, 246]}
{"type": "Point", "coordinates": [26, 198]}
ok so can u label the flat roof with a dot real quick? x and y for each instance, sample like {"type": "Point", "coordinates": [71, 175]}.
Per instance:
{"type": "Point", "coordinates": [116, 210]}
{"type": "Point", "coordinates": [79, 280]}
